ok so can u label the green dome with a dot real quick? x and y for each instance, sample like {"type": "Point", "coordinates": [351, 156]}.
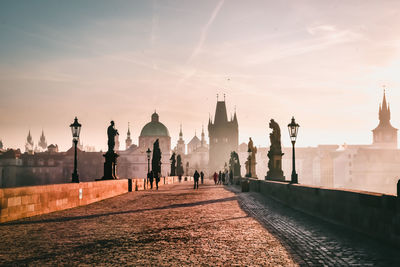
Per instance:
{"type": "Point", "coordinates": [154, 128]}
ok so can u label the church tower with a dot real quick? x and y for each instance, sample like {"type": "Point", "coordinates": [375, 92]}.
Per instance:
{"type": "Point", "coordinates": [128, 141]}
{"type": "Point", "coordinates": [29, 143]}
{"type": "Point", "coordinates": [224, 137]}
{"type": "Point", "coordinates": [203, 138]}
{"type": "Point", "coordinates": [384, 135]}
{"type": "Point", "coordinates": [42, 142]}
{"type": "Point", "coordinates": [180, 148]}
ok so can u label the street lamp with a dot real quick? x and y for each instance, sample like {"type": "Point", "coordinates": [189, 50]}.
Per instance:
{"type": "Point", "coordinates": [76, 129]}
{"type": "Point", "coordinates": [249, 153]}
{"type": "Point", "coordinates": [148, 152]}
{"type": "Point", "coordinates": [293, 128]}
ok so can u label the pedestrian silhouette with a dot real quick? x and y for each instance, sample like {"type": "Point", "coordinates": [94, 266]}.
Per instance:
{"type": "Point", "coordinates": [215, 178]}
{"type": "Point", "coordinates": [202, 177]}
{"type": "Point", "coordinates": [196, 176]}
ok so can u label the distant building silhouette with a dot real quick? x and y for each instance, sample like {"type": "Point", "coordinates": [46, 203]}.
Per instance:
{"type": "Point", "coordinates": [116, 138]}
{"type": "Point", "coordinates": [128, 141]}
{"type": "Point", "coordinates": [133, 160]}
{"type": "Point", "coordinates": [224, 137]}
{"type": "Point", "coordinates": [384, 135]}
{"type": "Point", "coordinates": [42, 142]}
{"type": "Point", "coordinates": [193, 144]}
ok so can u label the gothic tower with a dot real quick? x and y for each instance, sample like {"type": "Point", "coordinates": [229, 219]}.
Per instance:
{"type": "Point", "coordinates": [128, 141]}
{"type": "Point", "coordinates": [42, 142]}
{"type": "Point", "coordinates": [180, 148]}
{"type": "Point", "coordinates": [224, 137]}
{"type": "Point", "coordinates": [29, 143]}
{"type": "Point", "coordinates": [384, 135]}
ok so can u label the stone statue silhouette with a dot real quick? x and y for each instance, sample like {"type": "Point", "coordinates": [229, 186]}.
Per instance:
{"type": "Point", "coordinates": [111, 133]}
{"type": "Point", "coordinates": [275, 137]}
{"type": "Point", "coordinates": [251, 160]}
{"type": "Point", "coordinates": [234, 163]}
{"type": "Point", "coordinates": [275, 154]}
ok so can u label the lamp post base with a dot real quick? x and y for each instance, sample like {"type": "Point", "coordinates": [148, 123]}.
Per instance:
{"type": "Point", "coordinates": [294, 179]}
{"type": "Point", "coordinates": [75, 178]}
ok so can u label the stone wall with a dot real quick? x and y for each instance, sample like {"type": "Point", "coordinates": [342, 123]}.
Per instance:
{"type": "Point", "coordinates": [21, 202]}
{"type": "Point", "coordinates": [374, 214]}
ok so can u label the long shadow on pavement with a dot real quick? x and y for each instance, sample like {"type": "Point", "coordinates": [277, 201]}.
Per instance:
{"type": "Point", "coordinates": [173, 206]}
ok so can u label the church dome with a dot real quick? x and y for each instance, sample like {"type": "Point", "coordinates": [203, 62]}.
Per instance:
{"type": "Point", "coordinates": [154, 128]}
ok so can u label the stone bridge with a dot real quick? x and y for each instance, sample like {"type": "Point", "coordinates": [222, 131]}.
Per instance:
{"type": "Point", "coordinates": [174, 226]}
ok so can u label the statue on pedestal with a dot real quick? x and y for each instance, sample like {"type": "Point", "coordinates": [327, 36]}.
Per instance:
{"type": "Point", "coordinates": [110, 164]}
{"type": "Point", "coordinates": [234, 164]}
{"type": "Point", "coordinates": [275, 154]}
{"type": "Point", "coordinates": [251, 160]}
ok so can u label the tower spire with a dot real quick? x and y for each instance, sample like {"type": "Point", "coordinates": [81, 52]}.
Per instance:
{"type": "Point", "coordinates": [128, 140]}
{"type": "Point", "coordinates": [384, 110]}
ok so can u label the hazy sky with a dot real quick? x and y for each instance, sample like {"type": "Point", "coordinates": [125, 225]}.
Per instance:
{"type": "Point", "coordinates": [322, 61]}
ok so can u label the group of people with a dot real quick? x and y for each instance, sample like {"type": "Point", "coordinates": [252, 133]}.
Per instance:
{"type": "Point", "coordinates": [223, 177]}
{"type": "Point", "coordinates": [196, 177]}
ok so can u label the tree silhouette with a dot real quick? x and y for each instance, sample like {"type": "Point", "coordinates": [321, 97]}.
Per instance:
{"type": "Point", "coordinates": [179, 166]}
{"type": "Point", "coordinates": [173, 166]}
{"type": "Point", "coordinates": [156, 161]}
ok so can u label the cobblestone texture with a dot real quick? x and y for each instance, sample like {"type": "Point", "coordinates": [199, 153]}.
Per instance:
{"type": "Point", "coordinates": [314, 242]}
{"type": "Point", "coordinates": [174, 226]}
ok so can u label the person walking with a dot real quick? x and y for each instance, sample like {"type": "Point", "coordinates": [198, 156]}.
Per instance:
{"type": "Point", "coordinates": [196, 176]}
{"type": "Point", "coordinates": [231, 177]}
{"type": "Point", "coordinates": [151, 179]}
{"type": "Point", "coordinates": [226, 177]}
{"type": "Point", "coordinates": [223, 178]}
{"type": "Point", "coordinates": [219, 177]}
{"type": "Point", "coordinates": [202, 177]}
{"type": "Point", "coordinates": [215, 178]}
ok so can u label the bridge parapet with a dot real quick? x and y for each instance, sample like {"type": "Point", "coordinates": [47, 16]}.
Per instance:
{"type": "Point", "coordinates": [20, 202]}
{"type": "Point", "coordinates": [374, 214]}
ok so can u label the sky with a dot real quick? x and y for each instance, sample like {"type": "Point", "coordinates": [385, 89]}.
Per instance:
{"type": "Point", "coordinates": [324, 62]}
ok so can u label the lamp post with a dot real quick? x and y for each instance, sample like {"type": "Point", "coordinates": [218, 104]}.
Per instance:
{"type": "Point", "coordinates": [249, 153]}
{"type": "Point", "coordinates": [148, 152]}
{"type": "Point", "coordinates": [76, 129]}
{"type": "Point", "coordinates": [293, 128]}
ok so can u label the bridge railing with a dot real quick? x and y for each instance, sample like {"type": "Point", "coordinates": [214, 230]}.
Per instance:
{"type": "Point", "coordinates": [374, 214]}
{"type": "Point", "coordinates": [21, 202]}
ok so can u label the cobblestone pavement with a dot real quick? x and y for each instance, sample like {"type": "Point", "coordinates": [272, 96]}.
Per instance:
{"type": "Point", "coordinates": [174, 226]}
{"type": "Point", "coordinates": [314, 242]}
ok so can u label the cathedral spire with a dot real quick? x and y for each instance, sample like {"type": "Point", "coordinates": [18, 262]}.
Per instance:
{"type": "Point", "coordinates": [128, 140]}
{"type": "Point", "coordinates": [42, 142]}
{"type": "Point", "coordinates": [203, 138]}
{"type": "Point", "coordinates": [180, 132]}
{"type": "Point", "coordinates": [384, 135]}
{"type": "Point", "coordinates": [29, 145]}
{"type": "Point", "coordinates": [384, 110]}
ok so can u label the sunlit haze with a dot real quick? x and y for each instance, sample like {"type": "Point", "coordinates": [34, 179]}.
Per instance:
{"type": "Point", "coordinates": [324, 62]}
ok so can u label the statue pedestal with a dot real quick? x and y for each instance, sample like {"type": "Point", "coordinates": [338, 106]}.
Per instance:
{"type": "Point", "coordinates": [275, 172]}
{"type": "Point", "coordinates": [110, 166]}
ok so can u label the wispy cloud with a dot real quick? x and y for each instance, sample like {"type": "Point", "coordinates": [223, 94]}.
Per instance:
{"type": "Point", "coordinates": [322, 37]}
{"type": "Point", "coordinates": [205, 30]}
